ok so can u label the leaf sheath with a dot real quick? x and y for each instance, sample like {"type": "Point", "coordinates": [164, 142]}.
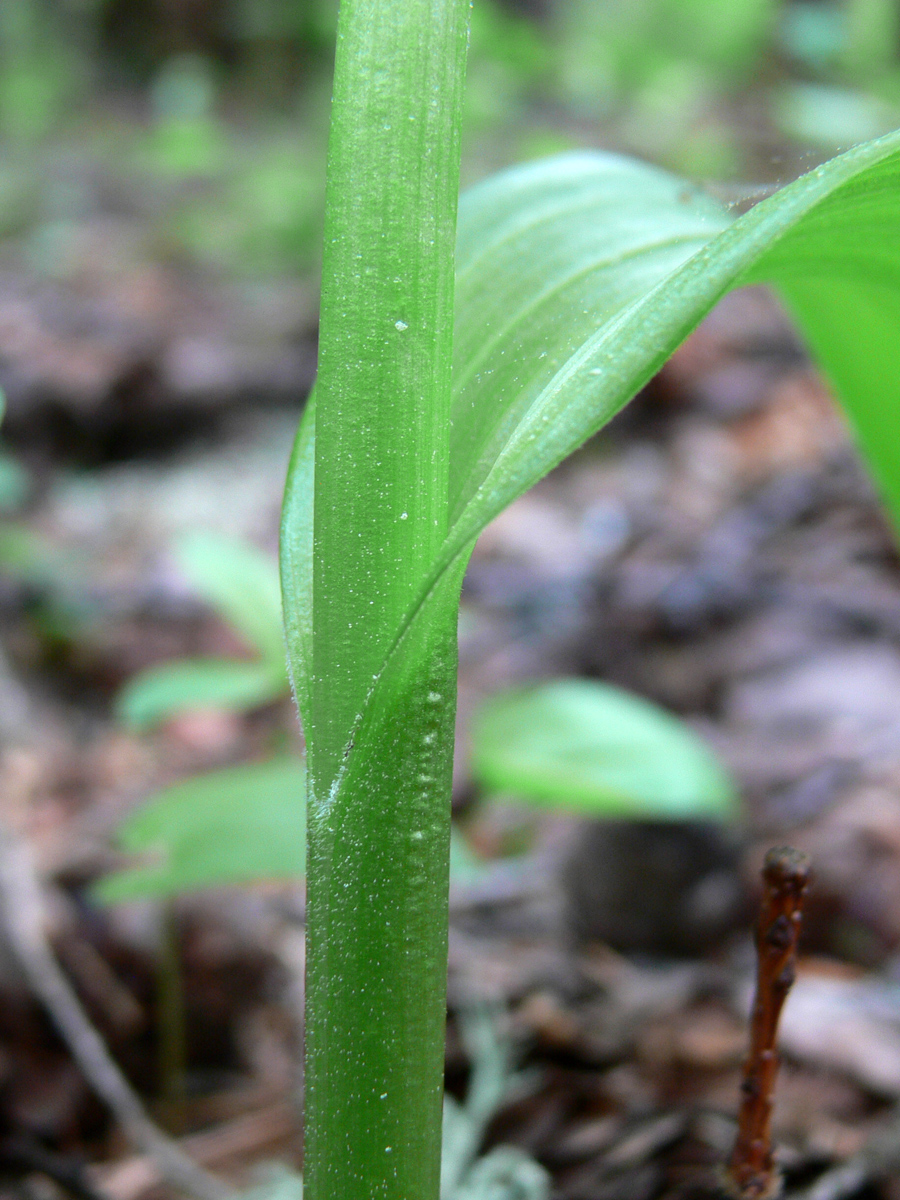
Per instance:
{"type": "Point", "coordinates": [378, 805]}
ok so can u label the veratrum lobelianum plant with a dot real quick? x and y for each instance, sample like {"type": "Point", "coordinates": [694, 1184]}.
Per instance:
{"type": "Point", "coordinates": [576, 277]}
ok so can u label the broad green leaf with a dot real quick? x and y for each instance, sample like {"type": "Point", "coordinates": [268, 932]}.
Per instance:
{"type": "Point", "coordinates": [579, 275]}
{"type": "Point", "coordinates": [241, 583]}
{"type": "Point", "coordinates": [550, 256]}
{"type": "Point", "coordinates": [161, 692]}
{"type": "Point", "coordinates": [238, 825]}
{"type": "Point", "coordinates": [589, 747]}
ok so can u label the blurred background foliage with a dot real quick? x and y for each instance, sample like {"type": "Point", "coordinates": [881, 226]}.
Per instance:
{"type": "Point", "coordinates": [205, 120]}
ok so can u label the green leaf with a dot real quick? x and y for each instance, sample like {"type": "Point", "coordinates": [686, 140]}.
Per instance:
{"type": "Point", "coordinates": [161, 692]}
{"type": "Point", "coordinates": [579, 275]}
{"type": "Point", "coordinates": [241, 583]}
{"type": "Point", "coordinates": [237, 825]}
{"type": "Point", "coordinates": [592, 748]}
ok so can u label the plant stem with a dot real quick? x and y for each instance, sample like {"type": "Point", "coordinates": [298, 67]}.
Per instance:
{"type": "Point", "coordinates": [380, 740]}
{"type": "Point", "coordinates": [751, 1173]}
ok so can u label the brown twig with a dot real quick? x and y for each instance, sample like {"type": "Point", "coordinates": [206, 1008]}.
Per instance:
{"type": "Point", "coordinates": [751, 1173]}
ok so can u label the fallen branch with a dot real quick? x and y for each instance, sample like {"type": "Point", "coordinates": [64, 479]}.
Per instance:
{"type": "Point", "coordinates": [23, 918]}
{"type": "Point", "coordinates": [751, 1173]}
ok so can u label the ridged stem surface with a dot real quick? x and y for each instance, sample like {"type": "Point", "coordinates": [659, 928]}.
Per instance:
{"type": "Point", "coordinates": [380, 727]}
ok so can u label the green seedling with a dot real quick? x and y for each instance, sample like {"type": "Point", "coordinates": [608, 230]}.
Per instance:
{"type": "Point", "coordinates": [205, 832]}
{"type": "Point", "coordinates": [591, 748]}
{"type": "Point", "coordinates": [575, 745]}
{"type": "Point", "coordinates": [241, 584]}
{"type": "Point", "coordinates": [201, 832]}
{"type": "Point", "coordinates": [575, 279]}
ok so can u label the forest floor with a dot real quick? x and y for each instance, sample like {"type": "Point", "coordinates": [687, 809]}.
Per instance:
{"type": "Point", "coordinates": [718, 549]}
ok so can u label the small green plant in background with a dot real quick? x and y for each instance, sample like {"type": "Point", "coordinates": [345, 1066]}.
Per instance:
{"type": "Point", "coordinates": [847, 55]}
{"type": "Point", "coordinates": [588, 747]}
{"type": "Point", "coordinates": [202, 832]}
{"type": "Point", "coordinates": [572, 745]}
{"type": "Point", "coordinates": [240, 583]}
{"type": "Point", "coordinates": [506, 1172]}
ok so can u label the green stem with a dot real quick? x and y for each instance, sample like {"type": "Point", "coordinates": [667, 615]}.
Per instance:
{"type": "Point", "coordinates": [380, 759]}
